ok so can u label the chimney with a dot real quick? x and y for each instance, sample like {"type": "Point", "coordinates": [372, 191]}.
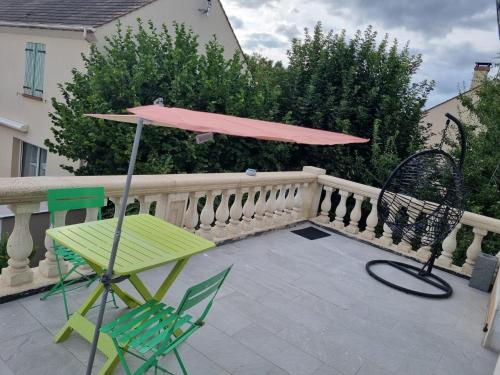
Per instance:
{"type": "Point", "coordinates": [481, 71]}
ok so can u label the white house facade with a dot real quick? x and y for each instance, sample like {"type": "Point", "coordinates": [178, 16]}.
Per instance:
{"type": "Point", "coordinates": [42, 41]}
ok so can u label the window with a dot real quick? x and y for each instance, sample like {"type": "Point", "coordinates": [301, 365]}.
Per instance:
{"type": "Point", "coordinates": [33, 160]}
{"type": "Point", "coordinates": [33, 74]}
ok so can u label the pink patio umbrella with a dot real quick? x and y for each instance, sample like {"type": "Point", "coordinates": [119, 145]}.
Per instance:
{"type": "Point", "coordinates": [201, 122]}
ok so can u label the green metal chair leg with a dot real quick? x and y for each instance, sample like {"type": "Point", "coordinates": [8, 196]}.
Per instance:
{"type": "Point", "coordinates": [181, 364]}
{"type": "Point", "coordinates": [63, 292]}
{"type": "Point", "coordinates": [113, 299]}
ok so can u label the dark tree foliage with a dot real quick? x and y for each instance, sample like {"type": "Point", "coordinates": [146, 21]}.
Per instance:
{"type": "Point", "coordinates": [356, 86]}
{"type": "Point", "coordinates": [482, 162]}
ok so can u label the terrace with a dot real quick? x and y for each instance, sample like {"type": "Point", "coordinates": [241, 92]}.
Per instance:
{"type": "Point", "coordinates": [290, 305]}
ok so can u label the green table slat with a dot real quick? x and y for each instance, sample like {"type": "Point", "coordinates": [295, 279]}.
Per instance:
{"type": "Point", "coordinates": [146, 242]}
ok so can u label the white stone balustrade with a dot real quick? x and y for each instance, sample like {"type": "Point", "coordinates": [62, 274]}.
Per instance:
{"type": "Point", "coordinates": [263, 202]}
{"type": "Point", "coordinates": [481, 224]}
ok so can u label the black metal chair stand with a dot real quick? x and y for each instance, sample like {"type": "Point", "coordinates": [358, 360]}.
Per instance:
{"type": "Point", "coordinates": [421, 202]}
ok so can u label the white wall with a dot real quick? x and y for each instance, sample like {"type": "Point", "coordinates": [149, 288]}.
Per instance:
{"type": "Point", "coordinates": [62, 53]}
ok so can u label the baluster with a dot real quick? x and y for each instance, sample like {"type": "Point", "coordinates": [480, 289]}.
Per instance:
{"type": "Point", "coordinates": [221, 215]}
{"type": "Point", "coordinates": [341, 209]}
{"type": "Point", "coordinates": [207, 217]}
{"type": "Point", "coordinates": [248, 210]}
{"type": "Point", "coordinates": [297, 203]}
{"type": "Point", "coordinates": [424, 252]}
{"type": "Point", "coordinates": [355, 215]}
{"type": "Point", "coordinates": [260, 209]}
{"type": "Point", "coordinates": [449, 245]}
{"type": "Point", "coordinates": [143, 205]}
{"type": "Point", "coordinates": [371, 221]}
{"type": "Point", "coordinates": [19, 246]}
{"type": "Point", "coordinates": [326, 205]}
{"type": "Point", "coordinates": [235, 213]}
{"type": "Point", "coordinates": [191, 217]}
{"type": "Point", "coordinates": [404, 245]}
{"type": "Point", "coordinates": [289, 203]}
{"type": "Point", "coordinates": [118, 202]}
{"type": "Point", "coordinates": [386, 238]}
{"type": "Point", "coordinates": [48, 266]}
{"type": "Point", "coordinates": [280, 206]}
{"type": "Point", "coordinates": [270, 207]}
{"type": "Point", "coordinates": [473, 250]}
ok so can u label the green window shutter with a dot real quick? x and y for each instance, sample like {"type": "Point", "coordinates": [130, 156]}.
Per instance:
{"type": "Point", "coordinates": [29, 72]}
{"type": "Point", "coordinates": [39, 67]}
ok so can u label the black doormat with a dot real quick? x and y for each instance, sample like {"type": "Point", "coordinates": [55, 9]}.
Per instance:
{"type": "Point", "coordinates": [311, 233]}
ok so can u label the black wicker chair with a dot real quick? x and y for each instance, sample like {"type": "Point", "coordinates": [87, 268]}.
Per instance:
{"type": "Point", "coordinates": [421, 202]}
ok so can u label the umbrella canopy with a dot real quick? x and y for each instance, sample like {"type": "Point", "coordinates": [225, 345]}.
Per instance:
{"type": "Point", "coordinates": [201, 122]}
{"type": "Point", "coordinates": [204, 122]}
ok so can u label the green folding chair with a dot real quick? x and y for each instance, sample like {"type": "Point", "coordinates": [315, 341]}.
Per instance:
{"type": "Point", "coordinates": [66, 200]}
{"type": "Point", "coordinates": [153, 330]}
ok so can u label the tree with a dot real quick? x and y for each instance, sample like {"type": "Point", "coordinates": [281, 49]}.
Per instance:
{"type": "Point", "coordinates": [135, 69]}
{"type": "Point", "coordinates": [355, 86]}
{"type": "Point", "coordinates": [359, 87]}
{"type": "Point", "coordinates": [482, 159]}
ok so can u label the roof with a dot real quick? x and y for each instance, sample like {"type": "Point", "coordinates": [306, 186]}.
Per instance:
{"type": "Point", "coordinates": [450, 99]}
{"type": "Point", "coordinates": [65, 13]}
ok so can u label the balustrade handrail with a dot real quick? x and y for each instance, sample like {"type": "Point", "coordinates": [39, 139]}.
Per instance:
{"type": "Point", "coordinates": [469, 218]}
{"type": "Point", "coordinates": [34, 189]}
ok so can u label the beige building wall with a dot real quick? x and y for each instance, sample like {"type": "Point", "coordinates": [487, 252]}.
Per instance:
{"type": "Point", "coordinates": [63, 52]}
{"type": "Point", "coordinates": [436, 117]}
{"type": "Point", "coordinates": [184, 11]}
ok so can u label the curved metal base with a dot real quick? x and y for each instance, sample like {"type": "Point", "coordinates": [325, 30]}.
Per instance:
{"type": "Point", "coordinates": [416, 272]}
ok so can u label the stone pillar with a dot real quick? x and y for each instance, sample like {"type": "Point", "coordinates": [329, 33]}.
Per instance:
{"type": "Point", "coordinates": [341, 210]}
{"type": "Point", "coordinates": [260, 209]}
{"type": "Point", "coordinates": [221, 215]}
{"type": "Point", "coordinates": [355, 215]}
{"type": "Point", "coordinates": [191, 217]}
{"type": "Point", "coordinates": [20, 246]}
{"type": "Point", "coordinates": [248, 210]}
{"type": "Point", "coordinates": [449, 246]}
{"type": "Point", "coordinates": [289, 203]}
{"type": "Point", "coordinates": [312, 195]}
{"type": "Point", "coordinates": [326, 205]}
{"type": "Point", "coordinates": [235, 213]}
{"type": "Point", "coordinates": [371, 221]}
{"type": "Point", "coordinates": [473, 250]}
{"type": "Point", "coordinates": [386, 238]}
{"type": "Point", "coordinates": [48, 266]}
{"type": "Point", "coordinates": [207, 217]}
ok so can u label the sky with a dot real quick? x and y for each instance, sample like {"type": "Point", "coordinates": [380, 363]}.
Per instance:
{"type": "Point", "coordinates": [450, 34]}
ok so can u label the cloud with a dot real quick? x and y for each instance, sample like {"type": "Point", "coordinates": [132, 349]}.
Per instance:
{"type": "Point", "coordinates": [451, 66]}
{"type": "Point", "coordinates": [255, 3]}
{"type": "Point", "coordinates": [289, 30]}
{"type": "Point", "coordinates": [430, 17]}
{"type": "Point", "coordinates": [266, 40]}
{"type": "Point", "coordinates": [236, 22]}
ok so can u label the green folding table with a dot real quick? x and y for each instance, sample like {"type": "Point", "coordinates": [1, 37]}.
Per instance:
{"type": "Point", "coordinates": [146, 242]}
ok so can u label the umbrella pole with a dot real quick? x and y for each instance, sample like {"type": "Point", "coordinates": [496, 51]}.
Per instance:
{"type": "Point", "coordinates": [106, 278]}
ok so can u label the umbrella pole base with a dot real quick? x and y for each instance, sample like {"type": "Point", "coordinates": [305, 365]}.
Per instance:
{"type": "Point", "coordinates": [422, 274]}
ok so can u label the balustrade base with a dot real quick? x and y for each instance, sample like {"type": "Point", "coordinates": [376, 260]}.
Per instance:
{"type": "Point", "coordinates": [12, 277]}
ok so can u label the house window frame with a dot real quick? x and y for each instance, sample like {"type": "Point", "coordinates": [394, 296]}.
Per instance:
{"type": "Point", "coordinates": [38, 165]}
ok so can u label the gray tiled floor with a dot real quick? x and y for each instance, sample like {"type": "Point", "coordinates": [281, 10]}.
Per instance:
{"type": "Point", "coordinates": [289, 307]}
